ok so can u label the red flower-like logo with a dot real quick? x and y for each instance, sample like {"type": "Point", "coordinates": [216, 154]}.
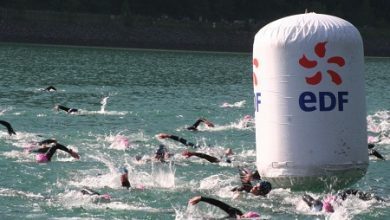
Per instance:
{"type": "Point", "coordinates": [316, 78]}
{"type": "Point", "coordinates": [256, 65]}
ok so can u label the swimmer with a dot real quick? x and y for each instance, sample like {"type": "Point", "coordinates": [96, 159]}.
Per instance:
{"type": "Point", "coordinates": [125, 178]}
{"type": "Point", "coordinates": [8, 126]}
{"type": "Point", "coordinates": [260, 189]}
{"type": "Point", "coordinates": [325, 204]}
{"type": "Point", "coordinates": [373, 152]}
{"type": "Point", "coordinates": [50, 89]}
{"type": "Point", "coordinates": [179, 139]}
{"type": "Point", "coordinates": [194, 127]}
{"type": "Point", "coordinates": [46, 153]}
{"type": "Point", "coordinates": [42, 146]}
{"type": "Point", "coordinates": [66, 109]}
{"type": "Point", "coordinates": [97, 196]}
{"type": "Point", "coordinates": [246, 176]}
{"type": "Point", "coordinates": [317, 205]}
{"type": "Point", "coordinates": [228, 152]}
{"type": "Point", "coordinates": [247, 121]}
{"type": "Point", "coordinates": [365, 196]}
{"type": "Point", "coordinates": [162, 155]}
{"type": "Point", "coordinates": [231, 211]}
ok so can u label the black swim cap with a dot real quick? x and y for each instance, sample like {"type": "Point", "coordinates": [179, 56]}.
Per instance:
{"type": "Point", "coordinates": [161, 150]}
{"type": "Point", "coordinates": [265, 187]}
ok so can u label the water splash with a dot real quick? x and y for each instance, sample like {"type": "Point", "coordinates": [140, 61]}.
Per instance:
{"type": "Point", "coordinates": [234, 105]}
{"type": "Point", "coordinates": [164, 176]}
{"type": "Point", "coordinates": [104, 103]}
{"type": "Point", "coordinates": [378, 127]}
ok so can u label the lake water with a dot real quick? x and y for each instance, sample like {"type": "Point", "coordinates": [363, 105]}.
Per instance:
{"type": "Point", "coordinates": [150, 92]}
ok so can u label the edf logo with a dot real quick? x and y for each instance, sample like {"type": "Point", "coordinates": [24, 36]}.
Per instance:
{"type": "Point", "coordinates": [324, 101]}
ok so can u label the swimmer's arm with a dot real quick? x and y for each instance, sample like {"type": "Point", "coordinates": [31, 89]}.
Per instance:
{"type": "Point", "coordinates": [176, 138]}
{"type": "Point", "coordinates": [232, 212]}
{"type": "Point", "coordinates": [69, 151]}
{"type": "Point", "coordinates": [207, 157]}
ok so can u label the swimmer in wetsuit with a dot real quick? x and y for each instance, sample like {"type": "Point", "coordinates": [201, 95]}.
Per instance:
{"type": "Point", "coordinates": [325, 205]}
{"type": "Point", "coordinates": [8, 126]}
{"type": "Point", "coordinates": [99, 197]}
{"type": "Point", "coordinates": [46, 153]}
{"type": "Point", "coordinates": [260, 189]}
{"type": "Point", "coordinates": [228, 152]}
{"type": "Point", "coordinates": [194, 127]}
{"type": "Point", "coordinates": [179, 139]}
{"type": "Point", "coordinates": [125, 178]}
{"type": "Point", "coordinates": [66, 109]}
{"type": "Point", "coordinates": [231, 211]}
{"type": "Point", "coordinates": [50, 89]}
{"type": "Point", "coordinates": [365, 196]}
{"type": "Point", "coordinates": [247, 176]}
{"type": "Point", "coordinates": [373, 152]}
{"type": "Point", "coordinates": [317, 205]}
{"type": "Point", "coordinates": [162, 154]}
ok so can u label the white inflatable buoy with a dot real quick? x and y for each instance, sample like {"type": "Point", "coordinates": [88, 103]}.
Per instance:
{"type": "Point", "coordinates": [309, 99]}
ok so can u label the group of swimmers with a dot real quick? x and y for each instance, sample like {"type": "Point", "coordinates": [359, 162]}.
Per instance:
{"type": "Point", "coordinates": [251, 181]}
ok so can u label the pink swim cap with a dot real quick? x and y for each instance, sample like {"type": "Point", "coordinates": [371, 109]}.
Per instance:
{"type": "Point", "coordinates": [41, 158]}
{"type": "Point", "coordinates": [106, 196]}
{"type": "Point", "coordinates": [251, 215]}
{"type": "Point", "coordinates": [247, 117]}
{"type": "Point", "coordinates": [122, 141]}
{"type": "Point", "coordinates": [141, 186]}
{"type": "Point", "coordinates": [327, 207]}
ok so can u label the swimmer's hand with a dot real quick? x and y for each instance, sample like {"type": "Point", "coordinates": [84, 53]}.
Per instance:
{"type": "Point", "coordinates": [186, 154]}
{"type": "Point", "coordinates": [195, 200]}
{"type": "Point", "coordinates": [211, 125]}
{"type": "Point", "coordinates": [163, 135]}
{"type": "Point", "coordinates": [74, 154]}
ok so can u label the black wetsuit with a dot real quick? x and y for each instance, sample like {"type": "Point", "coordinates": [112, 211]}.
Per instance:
{"type": "Point", "coordinates": [246, 185]}
{"type": "Point", "coordinates": [88, 191]}
{"type": "Point", "coordinates": [68, 110]}
{"type": "Point", "coordinates": [50, 89]}
{"type": "Point", "coordinates": [50, 151]}
{"type": "Point", "coordinates": [125, 181]}
{"type": "Point", "coordinates": [207, 157]}
{"type": "Point", "coordinates": [8, 126]}
{"type": "Point", "coordinates": [47, 141]}
{"type": "Point", "coordinates": [311, 202]}
{"type": "Point", "coordinates": [373, 152]}
{"type": "Point", "coordinates": [360, 194]}
{"type": "Point", "coordinates": [183, 141]}
{"type": "Point", "coordinates": [232, 212]}
{"type": "Point", "coordinates": [194, 127]}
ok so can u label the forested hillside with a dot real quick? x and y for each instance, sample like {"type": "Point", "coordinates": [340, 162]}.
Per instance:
{"type": "Point", "coordinates": [227, 25]}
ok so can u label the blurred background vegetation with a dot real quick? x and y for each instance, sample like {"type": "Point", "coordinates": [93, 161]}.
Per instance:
{"type": "Point", "coordinates": [371, 17]}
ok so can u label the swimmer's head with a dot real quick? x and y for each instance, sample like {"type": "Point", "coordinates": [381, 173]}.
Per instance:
{"type": "Point", "coordinates": [123, 170]}
{"type": "Point", "coordinates": [161, 150]}
{"type": "Point", "coordinates": [317, 206]}
{"type": "Point", "coordinates": [262, 188]}
{"type": "Point", "coordinates": [247, 117]}
{"type": "Point", "coordinates": [328, 207]}
{"type": "Point", "coordinates": [228, 152]}
{"type": "Point", "coordinates": [41, 158]}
